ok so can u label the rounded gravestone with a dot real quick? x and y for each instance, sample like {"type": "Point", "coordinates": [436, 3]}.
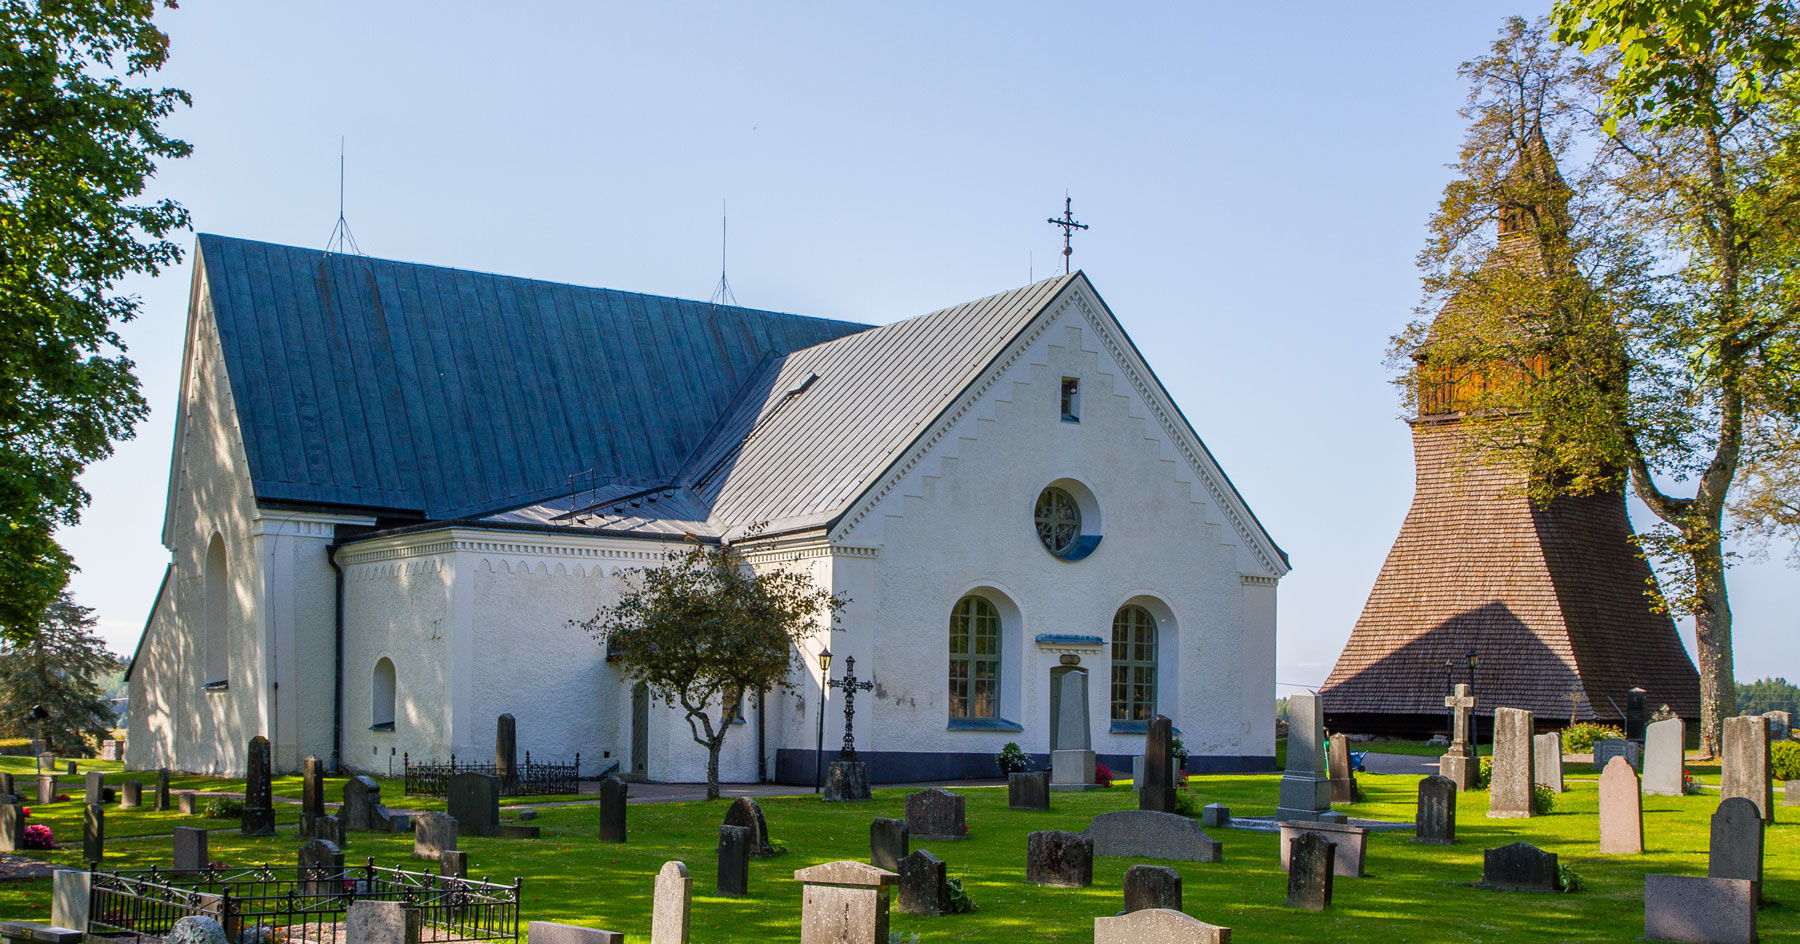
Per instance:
{"type": "Point", "coordinates": [196, 929]}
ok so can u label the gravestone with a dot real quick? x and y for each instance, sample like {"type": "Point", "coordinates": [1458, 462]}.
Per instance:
{"type": "Point", "coordinates": [196, 929]}
{"type": "Point", "coordinates": [46, 788]}
{"type": "Point", "coordinates": [312, 793]}
{"type": "Point", "coordinates": [1790, 793]}
{"type": "Point", "coordinates": [846, 781]}
{"type": "Point", "coordinates": [72, 769]}
{"type": "Point", "coordinates": [1634, 715]}
{"type": "Point", "coordinates": [1158, 926]}
{"type": "Point", "coordinates": [189, 803]}
{"type": "Point", "coordinates": [1061, 858]}
{"type": "Point", "coordinates": [162, 790]}
{"type": "Point", "coordinates": [131, 796]}
{"type": "Point", "coordinates": [6, 782]}
{"type": "Point", "coordinates": [474, 802]}
{"type": "Point", "coordinates": [1546, 757]}
{"type": "Point", "coordinates": [844, 903]}
{"type": "Point", "coordinates": [399, 824]}
{"type": "Point", "coordinates": [744, 812]}
{"type": "Point", "coordinates": [888, 841]}
{"type": "Point", "coordinates": [924, 884]}
{"type": "Point", "coordinates": [94, 786]}
{"type": "Point", "coordinates": [1621, 810]}
{"type": "Point", "coordinates": [1072, 756]}
{"type": "Point", "coordinates": [12, 828]}
{"type": "Point", "coordinates": [453, 863]}
{"type": "Point", "coordinates": [93, 833]}
{"type": "Point", "coordinates": [1461, 763]}
{"type": "Point", "coordinates": [1664, 755]}
{"type": "Point", "coordinates": [1606, 749]}
{"type": "Point", "coordinates": [1509, 791]}
{"type": "Point", "coordinates": [612, 809]}
{"type": "Point", "coordinates": [47, 761]}
{"type": "Point", "coordinates": [1156, 789]}
{"type": "Point", "coordinates": [1352, 842]}
{"type": "Point", "coordinates": [734, 861]}
{"type": "Point", "coordinates": [321, 868]}
{"type": "Point", "coordinates": [433, 833]}
{"type": "Point", "coordinates": [1736, 847]}
{"type": "Point", "coordinates": [1028, 791]}
{"type": "Point", "coordinates": [1311, 866]}
{"type": "Point", "coordinates": [1434, 822]}
{"type": "Point", "coordinates": [1520, 867]}
{"type": "Point", "coordinates": [1215, 814]}
{"type": "Point", "coordinates": [112, 750]}
{"type": "Point", "coordinates": [1337, 763]}
{"type": "Point", "coordinates": [362, 810]}
{"type": "Point", "coordinates": [259, 796]}
{"type": "Point", "coordinates": [673, 900]}
{"type": "Point", "coordinates": [1781, 724]}
{"type": "Point", "coordinates": [550, 932]}
{"type": "Point", "coordinates": [935, 814]}
{"type": "Point", "coordinates": [382, 922]}
{"type": "Point", "coordinates": [1744, 764]}
{"type": "Point", "coordinates": [190, 849]}
{"type": "Point", "coordinates": [71, 898]}
{"type": "Point", "coordinates": [1305, 786]}
{"type": "Point", "coordinates": [1152, 834]}
{"type": "Point", "coordinates": [1152, 886]}
{"type": "Point", "coordinates": [329, 827]}
{"type": "Point", "coordinates": [1699, 910]}
{"type": "Point", "coordinates": [506, 754]}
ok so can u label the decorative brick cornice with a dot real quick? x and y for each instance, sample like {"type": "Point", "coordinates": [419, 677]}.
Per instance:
{"type": "Point", "coordinates": [1252, 580]}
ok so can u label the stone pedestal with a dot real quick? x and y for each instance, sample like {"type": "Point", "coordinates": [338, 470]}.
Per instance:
{"type": "Point", "coordinates": [1072, 770]}
{"type": "Point", "coordinates": [1305, 787]}
{"type": "Point", "coordinates": [846, 781]}
{"type": "Point", "coordinates": [844, 903]}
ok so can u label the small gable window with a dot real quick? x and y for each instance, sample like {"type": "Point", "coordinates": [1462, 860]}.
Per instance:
{"type": "Point", "coordinates": [382, 713]}
{"type": "Point", "coordinates": [1071, 400]}
{"type": "Point", "coordinates": [974, 659]}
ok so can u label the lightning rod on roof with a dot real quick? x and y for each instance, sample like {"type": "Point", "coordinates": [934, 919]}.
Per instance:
{"type": "Point", "coordinates": [340, 234]}
{"type": "Point", "coordinates": [722, 293]}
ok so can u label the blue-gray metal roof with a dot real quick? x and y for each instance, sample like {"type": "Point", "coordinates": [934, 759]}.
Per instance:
{"type": "Point", "coordinates": [390, 385]}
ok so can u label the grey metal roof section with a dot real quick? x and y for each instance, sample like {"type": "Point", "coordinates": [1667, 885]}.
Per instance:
{"type": "Point", "coordinates": [812, 430]}
{"type": "Point", "coordinates": [446, 393]}
{"type": "Point", "coordinates": [659, 512]}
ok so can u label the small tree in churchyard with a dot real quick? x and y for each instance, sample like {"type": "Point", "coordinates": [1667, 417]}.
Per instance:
{"type": "Point", "coordinates": [59, 667]}
{"type": "Point", "coordinates": [703, 631]}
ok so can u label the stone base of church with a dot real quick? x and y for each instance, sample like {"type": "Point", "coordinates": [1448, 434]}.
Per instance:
{"type": "Point", "coordinates": [796, 767]}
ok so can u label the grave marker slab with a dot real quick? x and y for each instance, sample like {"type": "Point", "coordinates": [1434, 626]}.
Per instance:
{"type": "Point", "coordinates": [506, 753]}
{"type": "Point", "coordinates": [844, 903]}
{"type": "Point", "coordinates": [12, 828]}
{"type": "Point", "coordinates": [93, 833]}
{"type": "Point", "coordinates": [734, 861]}
{"type": "Point", "coordinates": [1744, 764]}
{"type": "Point", "coordinates": [1606, 749]}
{"type": "Point", "coordinates": [1152, 886]}
{"type": "Point", "coordinates": [1028, 791]}
{"type": "Point", "coordinates": [312, 791]}
{"type": "Point", "coordinates": [1736, 846]}
{"type": "Point", "coordinates": [321, 865]}
{"type": "Point", "coordinates": [550, 932]}
{"type": "Point", "coordinates": [259, 794]}
{"type": "Point", "coordinates": [94, 787]}
{"type": "Point", "coordinates": [46, 788]}
{"type": "Point", "coordinates": [1790, 793]}
{"type": "Point", "coordinates": [744, 812]}
{"type": "Point", "coordinates": [1546, 755]}
{"type": "Point", "coordinates": [362, 810]}
{"type": "Point", "coordinates": [1158, 926]}
{"type": "Point", "coordinates": [1664, 754]}
{"type": "Point", "coordinates": [612, 809]}
{"type": "Point", "coordinates": [131, 796]}
{"type": "Point", "coordinates": [888, 842]}
{"type": "Point", "coordinates": [1311, 867]}
{"type": "Point", "coordinates": [1694, 910]}
{"type": "Point", "coordinates": [162, 790]}
{"type": "Point", "coordinates": [1156, 790]}
{"type": "Point", "coordinates": [1509, 791]}
{"type": "Point", "coordinates": [382, 922]}
{"type": "Point", "coordinates": [1621, 810]}
{"type": "Point", "coordinates": [1061, 858]}
{"type": "Point", "coordinates": [6, 782]}
{"type": "Point", "coordinates": [433, 833]}
{"type": "Point", "coordinates": [1152, 834]}
{"type": "Point", "coordinates": [1305, 786]}
{"type": "Point", "coordinates": [189, 802]}
{"type": "Point", "coordinates": [71, 898]}
{"type": "Point", "coordinates": [1434, 822]}
{"type": "Point", "coordinates": [329, 827]}
{"type": "Point", "coordinates": [1352, 843]}
{"type": "Point", "coordinates": [924, 884]}
{"type": "Point", "coordinates": [190, 849]}
{"type": "Point", "coordinates": [669, 911]}
{"type": "Point", "coordinates": [1343, 779]}
{"type": "Point", "coordinates": [935, 814]}
{"type": "Point", "coordinates": [1215, 814]}
{"type": "Point", "coordinates": [474, 802]}
{"type": "Point", "coordinates": [1520, 867]}
{"type": "Point", "coordinates": [453, 863]}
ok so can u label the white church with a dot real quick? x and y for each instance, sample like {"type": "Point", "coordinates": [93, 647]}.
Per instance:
{"type": "Point", "coordinates": [393, 486]}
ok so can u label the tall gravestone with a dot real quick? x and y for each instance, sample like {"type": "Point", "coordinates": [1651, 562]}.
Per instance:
{"type": "Point", "coordinates": [259, 791]}
{"type": "Point", "coordinates": [734, 861]}
{"type": "Point", "coordinates": [506, 754]}
{"type": "Point", "coordinates": [669, 911]}
{"type": "Point", "coordinates": [1305, 786]}
{"type": "Point", "coordinates": [744, 812]}
{"type": "Point", "coordinates": [1338, 767]}
{"type": "Point", "coordinates": [1461, 763]}
{"type": "Point", "coordinates": [844, 903]}
{"type": "Point", "coordinates": [1157, 791]}
{"type": "Point", "coordinates": [1072, 756]}
{"type": "Point", "coordinates": [1546, 756]}
{"type": "Point", "coordinates": [888, 842]}
{"type": "Point", "coordinates": [162, 790]}
{"type": "Point", "coordinates": [1152, 886]}
{"type": "Point", "coordinates": [612, 809]}
{"type": "Point", "coordinates": [1634, 715]}
{"type": "Point", "coordinates": [12, 828]}
{"type": "Point", "coordinates": [312, 793]}
{"type": "Point", "coordinates": [93, 833]}
{"type": "Point", "coordinates": [1736, 846]}
{"type": "Point", "coordinates": [1509, 790]}
{"type": "Point", "coordinates": [1744, 764]}
{"type": "Point", "coordinates": [1311, 866]}
{"type": "Point", "coordinates": [1621, 810]}
{"type": "Point", "coordinates": [1665, 746]}
{"type": "Point", "coordinates": [474, 800]}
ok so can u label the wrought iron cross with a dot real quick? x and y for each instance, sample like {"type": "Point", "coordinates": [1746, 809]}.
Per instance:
{"type": "Point", "coordinates": [851, 686]}
{"type": "Point", "coordinates": [1069, 226]}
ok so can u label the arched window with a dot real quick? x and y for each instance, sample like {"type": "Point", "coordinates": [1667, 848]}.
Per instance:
{"type": "Point", "coordinates": [1133, 665]}
{"type": "Point", "coordinates": [974, 659]}
{"type": "Point", "coordinates": [382, 711]}
{"type": "Point", "coordinates": [213, 587]}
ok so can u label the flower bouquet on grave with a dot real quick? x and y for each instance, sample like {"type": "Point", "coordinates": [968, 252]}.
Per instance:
{"type": "Point", "coordinates": [1102, 774]}
{"type": "Point", "coordinates": [1689, 784]}
{"type": "Point", "coordinates": [39, 836]}
{"type": "Point", "coordinates": [62, 798]}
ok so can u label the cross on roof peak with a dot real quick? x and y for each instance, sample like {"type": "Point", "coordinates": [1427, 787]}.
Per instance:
{"type": "Point", "coordinates": [1069, 226]}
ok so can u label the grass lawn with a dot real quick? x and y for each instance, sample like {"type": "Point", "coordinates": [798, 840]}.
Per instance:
{"type": "Point", "coordinates": [1409, 894]}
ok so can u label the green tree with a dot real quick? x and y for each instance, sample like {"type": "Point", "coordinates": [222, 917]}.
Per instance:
{"type": "Point", "coordinates": [79, 139]}
{"type": "Point", "coordinates": [1770, 694]}
{"type": "Point", "coordinates": [60, 667]}
{"type": "Point", "coordinates": [704, 630]}
{"type": "Point", "coordinates": [1643, 314]}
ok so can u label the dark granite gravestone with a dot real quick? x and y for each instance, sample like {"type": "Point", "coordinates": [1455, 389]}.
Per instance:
{"type": "Point", "coordinates": [362, 810]}
{"type": "Point", "coordinates": [1028, 791]}
{"type": "Point", "coordinates": [1311, 866]}
{"type": "Point", "coordinates": [72, 769]}
{"type": "Point", "coordinates": [935, 814]}
{"type": "Point", "coordinates": [612, 809]}
{"type": "Point", "coordinates": [12, 828]}
{"type": "Point", "coordinates": [1520, 867]}
{"type": "Point", "coordinates": [1058, 857]}
{"type": "Point", "coordinates": [474, 801]}
{"type": "Point", "coordinates": [1215, 814]}
{"type": "Point", "coordinates": [1434, 823]}
{"type": "Point", "coordinates": [453, 863]}
{"type": "Point", "coordinates": [190, 849]}
{"type": "Point", "coordinates": [329, 827]}
{"type": "Point", "coordinates": [162, 790]}
{"type": "Point", "coordinates": [1352, 844]}
{"type": "Point", "coordinates": [888, 841]}
{"type": "Point", "coordinates": [95, 788]}
{"type": "Point", "coordinates": [1157, 792]}
{"type": "Point", "coordinates": [312, 794]}
{"type": "Point", "coordinates": [924, 884]}
{"type": "Point", "coordinates": [506, 754]}
{"type": "Point", "coordinates": [1634, 716]}
{"type": "Point", "coordinates": [734, 861]}
{"type": "Point", "coordinates": [131, 796]}
{"type": "Point", "coordinates": [321, 868]}
{"type": "Point", "coordinates": [1152, 834]}
{"type": "Point", "coordinates": [1152, 886]}
{"type": "Point", "coordinates": [744, 812]}
{"type": "Point", "coordinates": [1337, 765]}
{"type": "Point", "coordinates": [259, 793]}
{"type": "Point", "coordinates": [93, 833]}
{"type": "Point", "coordinates": [1736, 847]}
{"type": "Point", "coordinates": [433, 834]}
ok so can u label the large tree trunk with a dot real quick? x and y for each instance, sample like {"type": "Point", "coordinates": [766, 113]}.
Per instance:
{"type": "Point", "coordinates": [1712, 644]}
{"type": "Point", "coordinates": [712, 766]}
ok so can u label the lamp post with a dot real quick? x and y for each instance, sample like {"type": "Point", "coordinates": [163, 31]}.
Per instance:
{"type": "Point", "coordinates": [38, 714]}
{"type": "Point", "coordinates": [1474, 719]}
{"type": "Point", "coordinates": [1449, 712]}
{"type": "Point", "coordinates": [819, 748]}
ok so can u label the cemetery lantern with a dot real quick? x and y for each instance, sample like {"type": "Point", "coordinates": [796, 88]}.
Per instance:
{"type": "Point", "coordinates": [1449, 689]}
{"type": "Point", "coordinates": [1474, 720]}
{"type": "Point", "coordinates": [819, 748]}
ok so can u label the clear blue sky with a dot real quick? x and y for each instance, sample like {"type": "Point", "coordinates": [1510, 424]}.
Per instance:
{"type": "Point", "coordinates": [1257, 177]}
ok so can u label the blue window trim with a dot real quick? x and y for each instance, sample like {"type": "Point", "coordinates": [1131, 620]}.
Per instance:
{"type": "Point", "coordinates": [1084, 546]}
{"type": "Point", "coordinates": [222, 686]}
{"type": "Point", "coordinates": [1131, 727]}
{"type": "Point", "coordinates": [983, 724]}
{"type": "Point", "coordinates": [1068, 639]}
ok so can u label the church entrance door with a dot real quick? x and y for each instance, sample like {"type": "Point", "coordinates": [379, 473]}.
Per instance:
{"type": "Point", "coordinates": [640, 732]}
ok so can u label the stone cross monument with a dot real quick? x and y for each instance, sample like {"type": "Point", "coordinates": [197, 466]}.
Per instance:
{"type": "Point", "coordinates": [1461, 763]}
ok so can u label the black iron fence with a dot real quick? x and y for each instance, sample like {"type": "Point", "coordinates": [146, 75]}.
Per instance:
{"type": "Point", "coordinates": [530, 778]}
{"type": "Point", "coordinates": [293, 905]}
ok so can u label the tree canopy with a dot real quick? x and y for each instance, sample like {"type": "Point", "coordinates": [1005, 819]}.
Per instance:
{"type": "Point", "coordinates": [60, 667]}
